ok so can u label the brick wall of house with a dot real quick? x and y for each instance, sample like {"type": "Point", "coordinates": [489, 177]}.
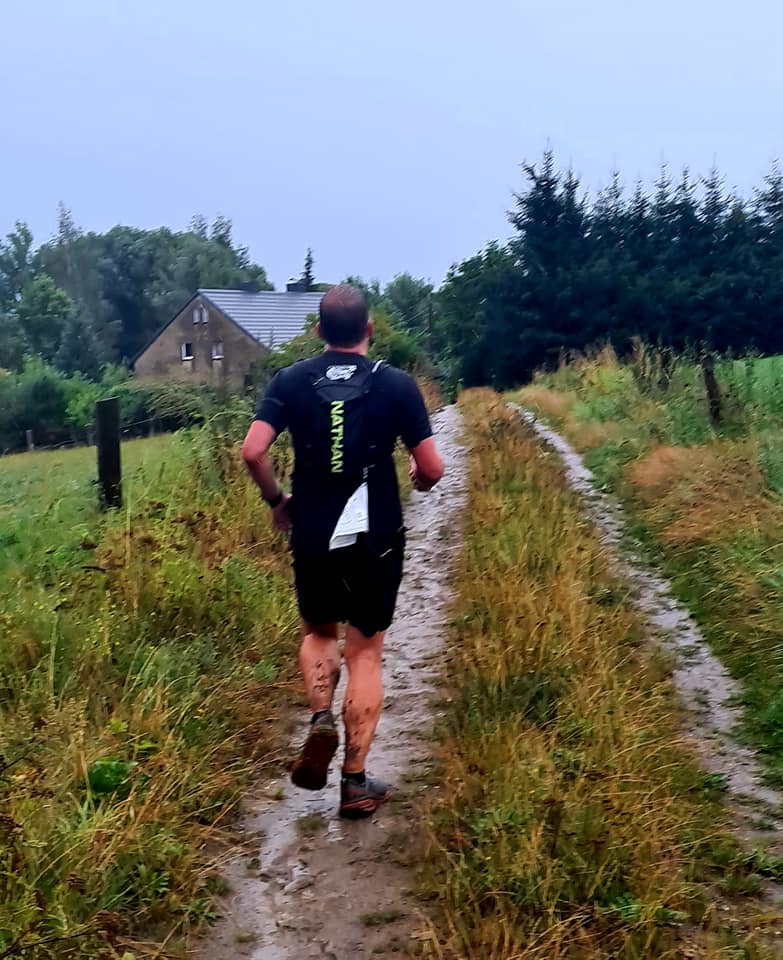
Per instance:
{"type": "Point", "coordinates": [163, 358]}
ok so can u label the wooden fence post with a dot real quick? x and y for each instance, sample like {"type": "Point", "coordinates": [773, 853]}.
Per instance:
{"type": "Point", "coordinates": [28, 435]}
{"type": "Point", "coordinates": [712, 388]}
{"type": "Point", "coordinates": [107, 428]}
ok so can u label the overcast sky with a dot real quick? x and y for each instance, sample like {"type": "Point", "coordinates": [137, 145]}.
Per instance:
{"type": "Point", "coordinates": [385, 135]}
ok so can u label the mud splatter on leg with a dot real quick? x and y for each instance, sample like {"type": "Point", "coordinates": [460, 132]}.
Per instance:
{"type": "Point", "coordinates": [319, 662]}
{"type": "Point", "coordinates": [363, 696]}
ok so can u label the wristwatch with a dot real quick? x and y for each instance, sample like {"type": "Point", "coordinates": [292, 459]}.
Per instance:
{"type": "Point", "coordinates": [274, 501]}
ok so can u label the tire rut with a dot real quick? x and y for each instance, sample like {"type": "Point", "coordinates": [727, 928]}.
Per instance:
{"type": "Point", "coordinates": [311, 885]}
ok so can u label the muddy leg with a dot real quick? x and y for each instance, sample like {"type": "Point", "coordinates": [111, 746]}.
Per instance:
{"type": "Point", "coordinates": [363, 695]}
{"type": "Point", "coordinates": [319, 662]}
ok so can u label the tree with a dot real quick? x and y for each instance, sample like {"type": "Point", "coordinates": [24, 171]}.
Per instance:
{"type": "Point", "coordinates": [40, 402]}
{"type": "Point", "coordinates": [482, 303]}
{"type": "Point", "coordinates": [16, 264]}
{"type": "Point", "coordinates": [221, 231]}
{"type": "Point", "coordinates": [674, 265]}
{"type": "Point", "coordinates": [371, 289]}
{"type": "Point", "coordinates": [42, 313]}
{"type": "Point", "coordinates": [199, 226]}
{"type": "Point", "coordinates": [388, 343]}
{"type": "Point", "coordinates": [11, 342]}
{"type": "Point", "coordinates": [72, 260]}
{"type": "Point", "coordinates": [308, 276]}
{"type": "Point", "coordinates": [127, 283]}
{"type": "Point", "coordinates": [79, 351]}
{"type": "Point", "coordinates": [408, 302]}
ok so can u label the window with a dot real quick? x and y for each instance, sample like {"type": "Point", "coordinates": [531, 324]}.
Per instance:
{"type": "Point", "coordinates": [187, 351]}
{"type": "Point", "coordinates": [204, 315]}
{"type": "Point", "coordinates": [196, 314]}
{"type": "Point", "coordinates": [200, 315]}
{"type": "Point", "coordinates": [217, 349]}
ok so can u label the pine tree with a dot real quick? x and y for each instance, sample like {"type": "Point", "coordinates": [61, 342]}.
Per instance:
{"type": "Point", "coordinates": [308, 276]}
{"type": "Point", "coordinates": [199, 226]}
{"type": "Point", "coordinates": [78, 351]}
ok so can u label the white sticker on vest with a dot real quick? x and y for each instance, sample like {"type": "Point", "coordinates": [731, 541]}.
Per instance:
{"type": "Point", "coordinates": [341, 371]}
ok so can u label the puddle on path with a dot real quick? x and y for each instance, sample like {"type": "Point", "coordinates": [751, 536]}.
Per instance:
{"type": "Point", "coordinates": [707, 691]}
{"type": "Point", "coordinates": [316, 886]}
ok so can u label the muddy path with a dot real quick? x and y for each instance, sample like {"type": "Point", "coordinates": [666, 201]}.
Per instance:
{"type": "Point", "coordinates": [308, 884]}
{"type": "Point", "coordinates": [707, 693]}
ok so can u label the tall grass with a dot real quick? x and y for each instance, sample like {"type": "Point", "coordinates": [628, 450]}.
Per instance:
{"type": "Point", "coordinates": [706, 500]}
{"type": "Point", "coordinates": [570, 821]}
{"type": "Point", "coordinates": [143, 660]}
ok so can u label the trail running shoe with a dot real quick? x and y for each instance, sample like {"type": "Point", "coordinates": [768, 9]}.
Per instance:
{"type": "Point", "coordinates": [362, 799]}
{"type": "Point", "coordinates": [310, 770]}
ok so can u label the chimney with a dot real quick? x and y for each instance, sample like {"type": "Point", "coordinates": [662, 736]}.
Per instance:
{"type": "Point", "coordinates": [250, 286]}
{"type": "Point", "coordinates": [295, 285]}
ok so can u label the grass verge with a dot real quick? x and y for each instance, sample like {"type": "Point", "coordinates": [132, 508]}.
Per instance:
{"type": "Point", "coordinates": [145, 655]}
{"type": "Point", "coordinates": [570, 821]}
{"type": "Point", "coordinates": [706, 501]}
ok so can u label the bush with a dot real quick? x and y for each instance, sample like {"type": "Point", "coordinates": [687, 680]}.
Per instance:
{"type": "Point", "coordinates": [388, 343]}
{"type": "Point", "coordinates": [60, 409]}
{"type": "Point", "coordinates": [35, 399]}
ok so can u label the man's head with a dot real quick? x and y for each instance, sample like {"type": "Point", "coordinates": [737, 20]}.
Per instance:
{"type": "Point", "coordinates": [344, 317]}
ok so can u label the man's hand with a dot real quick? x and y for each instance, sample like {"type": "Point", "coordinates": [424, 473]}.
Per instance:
{"type": "Point", "coordinates": [281, 519]}
{"type": "Point", "coordinates": [418, 482]}
{"type": "Point", "coordinates": [426, 466]}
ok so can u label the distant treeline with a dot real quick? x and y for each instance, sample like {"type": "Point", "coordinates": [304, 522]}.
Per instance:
{"type": "Point", "coordinates": [75, 309]}
{"type": "Point", "coordinates": [83, 300]}
{"type": "Point", "coordinates": [686, 264]}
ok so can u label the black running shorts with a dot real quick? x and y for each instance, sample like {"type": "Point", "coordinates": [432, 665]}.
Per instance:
{"type": "Point", "coordinates": [353, 585]}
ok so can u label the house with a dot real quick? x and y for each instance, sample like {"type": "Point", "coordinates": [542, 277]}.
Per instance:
{"type": "Point", "coordinates": [218, 335]}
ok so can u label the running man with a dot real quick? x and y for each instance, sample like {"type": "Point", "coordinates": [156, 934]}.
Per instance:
{"type": "Point", "coordinates": [345, 415]}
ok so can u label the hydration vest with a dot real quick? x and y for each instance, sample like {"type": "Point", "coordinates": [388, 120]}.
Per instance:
{"type": "Point", "coordinates": [343, 448]}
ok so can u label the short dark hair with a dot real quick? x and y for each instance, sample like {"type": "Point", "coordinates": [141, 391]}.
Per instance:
{"type": "Point", "coordinates": [344, 316]}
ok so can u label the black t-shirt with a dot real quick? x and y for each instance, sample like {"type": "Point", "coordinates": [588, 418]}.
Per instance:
{"type": "Point", "coordinates": [395, 409]}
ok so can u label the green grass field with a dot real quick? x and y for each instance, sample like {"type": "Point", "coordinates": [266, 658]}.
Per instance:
{"type": "Point", "coordinates": [49, 502]}
{"type": "Point", "coordinates": [145, 655]}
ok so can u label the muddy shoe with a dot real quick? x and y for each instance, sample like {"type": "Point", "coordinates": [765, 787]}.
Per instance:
{"type": "Point", "coordinates": [310, 769]}
{"type": "Point", "coordinates": [362, 799]}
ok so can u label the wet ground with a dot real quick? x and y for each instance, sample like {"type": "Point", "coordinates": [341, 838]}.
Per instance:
{"type": "Point", "coordinates": [310, 885]}
{"type": "Point", "coordinates": [707, 692]}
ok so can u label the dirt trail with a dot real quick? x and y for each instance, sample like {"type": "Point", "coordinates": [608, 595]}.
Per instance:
{"type": "Point", "coordinates": [707, 691]}
{"type": "Point", "coordinates": [316, 886]}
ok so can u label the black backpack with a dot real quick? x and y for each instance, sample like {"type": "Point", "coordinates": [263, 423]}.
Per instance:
{"type": "Point", "coordinates": [344, 448]}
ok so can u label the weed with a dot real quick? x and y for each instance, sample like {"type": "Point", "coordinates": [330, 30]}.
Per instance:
{"type": "Point", "coordinates": [310, 825]}
{"type": "Point", "coordinates": [380, 918]}
{"type": "Point", "coordinates": [714, 784]}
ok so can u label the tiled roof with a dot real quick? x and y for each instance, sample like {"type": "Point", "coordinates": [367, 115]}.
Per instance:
{"type": "Point", "coordinates": [272, 318]}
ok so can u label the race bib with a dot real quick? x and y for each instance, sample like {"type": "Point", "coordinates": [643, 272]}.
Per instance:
{"type": "Point", "coordinates": [354, 519]}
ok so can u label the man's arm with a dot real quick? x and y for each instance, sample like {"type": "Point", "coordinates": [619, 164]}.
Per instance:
{"type": "Point", "coordinates": [426, 465]}
{"type": "Point", "coordinates": [255, 453]}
